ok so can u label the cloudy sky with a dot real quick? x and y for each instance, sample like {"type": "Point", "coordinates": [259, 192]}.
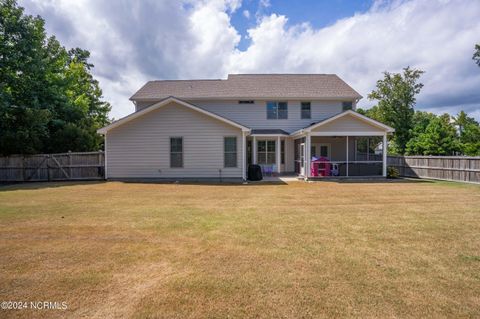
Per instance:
{"type": "Point", "coordinates": [132, 42]}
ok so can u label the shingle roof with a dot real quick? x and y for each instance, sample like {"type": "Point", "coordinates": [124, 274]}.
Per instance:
{"type": "Point", "coordinates": [252, 86]}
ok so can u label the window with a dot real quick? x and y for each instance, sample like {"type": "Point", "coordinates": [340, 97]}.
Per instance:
{"type": "Point", "coordinates": [324, 151]}
{"type": "Point", "coordinates": [266, 152]}
{"type": "Point", "coordinates": [246, 102]}
{"type": "Point", "coordinates": [347, 105]}
{"type": "Point", "coordinates": [306, 110]}
{"type": "Point", "coordinates": [230, 151]}
{"type": "Point", "coordinates": [176, 152]}
{"type": "Point", "coordinates": [366, 148]}
{"type": "Point", "coordinates": [277, 110]}
{"type": "Point", "coordinates": [282, 152]}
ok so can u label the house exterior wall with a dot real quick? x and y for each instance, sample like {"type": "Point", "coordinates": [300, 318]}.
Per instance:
{"type": "Point", "coordinates": [254, 115]}
{"type": "Point", "coordinates": [140, 105]}
{"type": "Point", "coordinates": [141, 148]}
{"type": "Point", "coordinates": [348, 123]}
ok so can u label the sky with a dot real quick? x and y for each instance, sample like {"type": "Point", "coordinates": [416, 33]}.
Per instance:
{"type": "Point", "coordinates": [132, 42]}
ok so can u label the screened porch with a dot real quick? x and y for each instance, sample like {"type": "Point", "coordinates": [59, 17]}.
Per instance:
{"type": "Point", "coordinates": [340, 156]}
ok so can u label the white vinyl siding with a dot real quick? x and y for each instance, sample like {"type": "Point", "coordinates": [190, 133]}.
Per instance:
{"type": "Point", "coordinates": [254, 115]}
{"type": "Point", "coordinates": [141, 148]}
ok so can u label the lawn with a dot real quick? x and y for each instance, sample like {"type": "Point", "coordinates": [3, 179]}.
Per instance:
{"type": "Point", "coordinates": [297, 250]}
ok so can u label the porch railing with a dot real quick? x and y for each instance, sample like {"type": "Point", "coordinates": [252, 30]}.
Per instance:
{"type": "Point", "coordinates": [352, 168]}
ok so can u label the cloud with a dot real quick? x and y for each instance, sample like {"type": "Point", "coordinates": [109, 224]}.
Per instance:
{"type": "Point", "coordinates": [246, 14]}
{"type": "Point", "coordinates": [435, 36]}
{"type": "Point", "coordinates": [132, 42]}
{"type": "Point", "coordinates": [265, 3]}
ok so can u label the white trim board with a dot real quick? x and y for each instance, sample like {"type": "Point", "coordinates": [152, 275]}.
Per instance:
{"type": "Point", "coordinates": [347, 133]}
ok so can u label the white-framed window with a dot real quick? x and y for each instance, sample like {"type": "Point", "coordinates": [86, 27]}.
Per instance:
{"type": "Point", "coordinates": [176, 152]}
{"type": "Point", "coordinates": [306, 110]}
{"type": "Point", "coordinates": [266, 152]}
{"type": "Point", "coordinates": [230, 151]}
{"type": "Point", "coordinates": [277, 110]}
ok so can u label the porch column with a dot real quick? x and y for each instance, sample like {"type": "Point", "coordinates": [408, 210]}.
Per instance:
{"type": "Point", "coordinates": [308, 155]}
{"type": "Point", "coordinates": [254, 150]}
{"type": "Point", "coordinates": [385, 150]}
{"type": "Point", "coordinates": [347, 158]}
{"type": "Point", "coordinates": [244, 152]}
{"type": "Point", "coordinates": [278, 154]}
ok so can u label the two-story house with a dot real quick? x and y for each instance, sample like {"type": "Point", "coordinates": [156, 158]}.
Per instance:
{"type": "Point", "coordinates": [210, 129]}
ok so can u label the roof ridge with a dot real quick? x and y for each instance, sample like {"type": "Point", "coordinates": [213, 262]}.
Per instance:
{"type": "Point", "coordinates": [235, 74]}
{"type": "Point", "coordinates": [178, 80]}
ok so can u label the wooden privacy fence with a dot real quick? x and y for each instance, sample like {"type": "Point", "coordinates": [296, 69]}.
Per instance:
{"type": "Point", "coordinates": [52, 167]}
{"type": "Point", "coordinates": [452, 168]}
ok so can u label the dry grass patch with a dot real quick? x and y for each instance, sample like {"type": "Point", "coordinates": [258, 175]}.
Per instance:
{"type": "Point", "coordinates": [393, 249]}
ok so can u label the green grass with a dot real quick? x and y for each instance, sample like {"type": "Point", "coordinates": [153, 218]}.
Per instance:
{"type": "Point", "coordinates": [298, 250]}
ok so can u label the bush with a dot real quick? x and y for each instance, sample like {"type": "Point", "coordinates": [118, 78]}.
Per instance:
{"type": "Point", "coordinates": [392, 172]}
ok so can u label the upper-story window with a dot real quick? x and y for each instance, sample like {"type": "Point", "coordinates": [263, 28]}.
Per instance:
{"type": "Point", "coordinates": [306, 110]}
{"type": "Point", "coordinates": [348, 105]}
{"type": "Point", "coordinates": [246, 102]}
{"type": "Point", "coordinates": [277, 110]}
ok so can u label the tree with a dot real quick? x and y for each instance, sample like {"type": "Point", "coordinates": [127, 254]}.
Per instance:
{"type": "Point", "coordinates": [476, 54]}
{"type": "Point", "coordinates": [470, 140]}
{"type": "Point", "coordinates": [420, 120]}
{"type": "Point", "coordinates": [44, 90]}
{"type": "Point", "coordinates": [396, 100]}
{"type": "Point", "coordinates": [438, 138]}
{"type": "Point", "coordinates": [469, 134]}
{"type": "Point", "coordinates": [461, 120]}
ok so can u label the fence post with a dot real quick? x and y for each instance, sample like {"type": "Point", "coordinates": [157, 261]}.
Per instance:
{"type": "Point", "coordinates": [48, 168]}
{"type": "Point", "coordinates": [23, 168]}
{"type": "Point", "coordinates": [70, 164]}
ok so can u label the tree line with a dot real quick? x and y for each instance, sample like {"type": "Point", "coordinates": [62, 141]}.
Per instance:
{"type": "Point", "coordinates": [418, 132]}
{"type": "Point", "coordinates": [49, 100]}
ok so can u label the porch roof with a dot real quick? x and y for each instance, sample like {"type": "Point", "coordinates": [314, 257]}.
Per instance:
{"type": "Point", "coordinates": [336, 125]}
{"type": "Point", "coordinates": [268, 132]}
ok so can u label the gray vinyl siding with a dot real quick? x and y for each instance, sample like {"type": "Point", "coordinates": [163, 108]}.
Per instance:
{"type": "Point", "coordinates": [254, 115]}
{"type": "Point", "coordinates": [348, 123]}
{"type": "Point", "coordinates": [140, 105]}
{"type": "Point", "coordinates": [141, 148]}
